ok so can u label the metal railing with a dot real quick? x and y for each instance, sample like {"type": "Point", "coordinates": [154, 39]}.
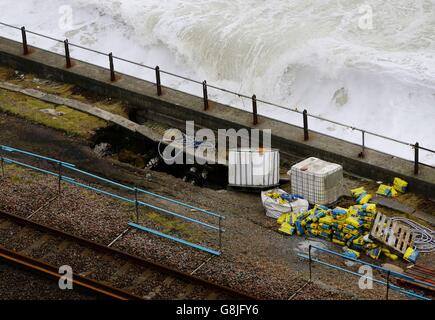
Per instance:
{"type": "Point", "coordinates": [62, 177]}
{"type": "Point", "coordinates": [205, 86]}
{"type": "Point", "coordinates": [389, 273]}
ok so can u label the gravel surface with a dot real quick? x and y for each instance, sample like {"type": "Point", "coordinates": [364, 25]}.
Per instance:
{"type": "Point", "coordinates": [18, 284]}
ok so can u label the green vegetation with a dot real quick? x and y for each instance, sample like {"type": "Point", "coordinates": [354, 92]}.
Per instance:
{"type": "Point", "coordinates": [174, 226]}
{"type": "Point", "coordinates": [71, 122]}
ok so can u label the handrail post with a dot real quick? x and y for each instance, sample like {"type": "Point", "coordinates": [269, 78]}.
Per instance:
{"type": "Point", "coordinates": [388, 284]}
{"type": "Point", "coordinates": [305, 117]}
{"type": "Point", "coordinates": [59, 178]}
{"type": "Point", "coordinates": [416, 146]}
{"type": "Point", "coordinates": [67, 55]}
{"type": "Point", "coordinates": [254, 109]}
{"type": "Point", "coordinates": [24, 37]}
{"type": "Point", "coordinates": [309, 255]}
{"type": "Point", "coordinates": [361, 154]}
{"type": "Point", "coordinates": [2, 165]}
{"type": "Point", "coordinates": [159, 84]}
{"type": "Point", "coordinates": [136, 204]}
{"type": "Point", "coordinates": [205, 94]}
{"type": "Point", "coordinates": [112, 68]}
{"type": "Point", "coordinates": [220, 234]}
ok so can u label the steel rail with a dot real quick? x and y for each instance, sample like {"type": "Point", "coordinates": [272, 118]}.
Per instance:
{"type": "Point", "coordinates": [126, 256]}
{"type": "Point", "coordinates": [13, 257]}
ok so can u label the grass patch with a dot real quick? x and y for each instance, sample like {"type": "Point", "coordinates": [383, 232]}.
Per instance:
{"type": "Point", "coordinates": [175, 227]}
{"type": "Point", "coordinates": [72, 122]}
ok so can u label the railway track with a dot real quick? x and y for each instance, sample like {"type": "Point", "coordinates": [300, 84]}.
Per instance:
{"type": "Point", "coordinates": [97, 267]}
{"type": "Point", "coordinates": [94, 286]}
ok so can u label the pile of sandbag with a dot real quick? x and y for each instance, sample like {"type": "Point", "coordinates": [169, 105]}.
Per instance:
{"type": "Point", "coordinates": [349, 228]}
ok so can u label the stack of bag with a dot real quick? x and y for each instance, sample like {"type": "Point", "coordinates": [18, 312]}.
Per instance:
{"type": "Point", "coordinates": [399, 185]}
{"type": "Point", "coordinates": [361, 195]}
{"type": "Point", "coordinates": [349, 228]}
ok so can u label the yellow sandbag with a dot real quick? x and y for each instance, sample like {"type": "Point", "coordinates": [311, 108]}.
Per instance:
{"type": "Point", "coordinates": [347, 236]}
{"type": "Point", "coordinates": [367, 226]}
{"type": "Point", "coordinates": [314, 225]}
{"type": "Point", "coordinates": [315, 232]}
{"type": "Point", "coordinates": [392, 256]}
{"type": "Point", "coordinates": [350, 232]}
{"type": "Point", "coordinates": [369, 207]}
{"type": "Point", "coordinates": [294, 217]}
{"type": "Point", "coordinates": [353, 211]}
{"type": "Point", "coordinates": [326, 219]}
{"type": "Point", "coordinates": [358, 241]}
{"type": "Point", "coordinates": [287, 228]}
{"type": "Point", "coordinates": [374, 253]}
{"type": "Point", "coordinates": [363, 198]}
{"type": "Point", "coordinates": [357, 191]}
{"type": "Point", "coordinates": [387, 191]}
{"type": "Point", "coordinates": [284, 218]}
{"type": "Point", "coordinates": [400, 185]}
{"type": "Point", "coordinates": [351, 253]}
{"type": "Point", "coordinates": [341, 243]}
{"type": "Point", "coordinates": [353, 222]}
{"type": "Point", "coordinates": [410, 255]}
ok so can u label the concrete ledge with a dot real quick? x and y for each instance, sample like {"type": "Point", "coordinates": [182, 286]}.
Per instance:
{"type": "Point", "coordinates": [173, 104]}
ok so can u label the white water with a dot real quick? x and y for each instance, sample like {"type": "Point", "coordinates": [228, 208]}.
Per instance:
{"type": "Point", "coordinates": [299, 53]}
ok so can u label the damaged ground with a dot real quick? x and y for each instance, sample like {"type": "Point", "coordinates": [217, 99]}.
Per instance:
{"type": "Point", "coordinates": [256, 259]}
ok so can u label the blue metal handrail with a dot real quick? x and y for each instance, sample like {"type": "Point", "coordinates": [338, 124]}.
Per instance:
{"type": "Point", "coordinates": [73, 167]}
{"type": "Point", "coordinates": [389, 272]}
{"type": "Point", "coordinates": [136, 202]}
{"type": "Point", "coordinates": [14, 150]}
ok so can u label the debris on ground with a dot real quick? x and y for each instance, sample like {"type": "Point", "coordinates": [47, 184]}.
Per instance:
{"type": "Point", "coordinates": [387, 191]}
{"type": "Point", "coordinates": [361, 195]}
{"type": "Point", "coordinates": [399, 185]}
{"type": "Point", "coordinates": [52, 112]}
{"type": "Point", "coordinates": [424, 238]}
{"type": "Point", "coordinates": [102, 149]}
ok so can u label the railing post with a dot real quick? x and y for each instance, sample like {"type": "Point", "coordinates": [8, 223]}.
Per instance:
{"type": "Point", "coordinates": [159, 84]}
{"type": "Point", "coordinates": [388, 284]}
{"type": "Point", "coordinates": [205, 94]}
{"type": "Point", "coordinates": [136, 204]}
{"type": "Point", "coordinates": [112, 68]}
{"type": "Point", "coordinates": [24, 36]}
{"type": "Point", "coordinates": [305, 116]}
{"type": "Point", "coordinates": [416, 146]}
{"type": "Point", "coordinates": [3, 169]}
{"type": "Point", "coordinates": [309, 256]}
{"type": "Point", "coordinates": [67, 55]}
{"type": "Point", "coordinates": [59, 177]}
{"type": "Point", "coordinates": [361, 154]}
{"type": "Point", "coordinates": [254, 109]}
{"type": "Point", "coordinates": [220, 234]}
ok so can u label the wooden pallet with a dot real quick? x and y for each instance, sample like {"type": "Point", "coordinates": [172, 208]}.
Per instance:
{"type": "Point", "coordinates": [392, 233]}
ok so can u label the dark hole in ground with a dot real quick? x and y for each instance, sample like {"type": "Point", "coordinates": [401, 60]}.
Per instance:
{"type": "Point", "coordinates": [141, 152]}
